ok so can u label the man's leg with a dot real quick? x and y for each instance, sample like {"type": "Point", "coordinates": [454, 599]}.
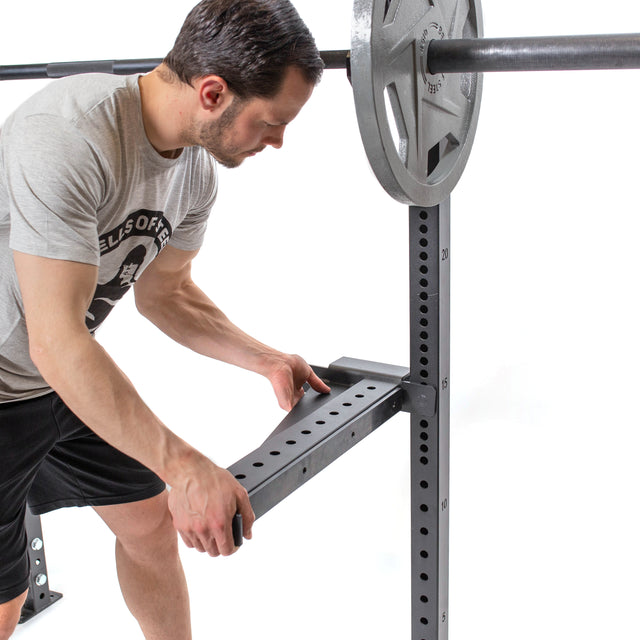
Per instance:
{"type": "Point", "coordinates": [10, 615]}
{"type": "Point", "coordinates": [149, 567]}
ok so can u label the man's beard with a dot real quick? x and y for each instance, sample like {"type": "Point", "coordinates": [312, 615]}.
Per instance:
{"type": "Point", "coordinates": [212, 137]}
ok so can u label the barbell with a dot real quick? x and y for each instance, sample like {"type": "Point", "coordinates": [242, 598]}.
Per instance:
{"type": "Point", "coordinates": [415, 67]}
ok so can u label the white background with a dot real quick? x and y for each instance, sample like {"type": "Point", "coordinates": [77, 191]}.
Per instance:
{"type": "Point", "coordinates": [307, 252]}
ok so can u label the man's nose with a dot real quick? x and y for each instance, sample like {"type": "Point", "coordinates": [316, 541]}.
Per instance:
{"type": "Point", "coordinates": [275, 137]}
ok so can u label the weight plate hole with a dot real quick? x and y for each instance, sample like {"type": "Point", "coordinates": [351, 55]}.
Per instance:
{"type": "Point", "coordinates": [396, 122]}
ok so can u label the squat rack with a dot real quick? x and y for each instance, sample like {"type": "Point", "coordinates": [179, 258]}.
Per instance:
{"type": "Point", "coordinates": [367, 394]}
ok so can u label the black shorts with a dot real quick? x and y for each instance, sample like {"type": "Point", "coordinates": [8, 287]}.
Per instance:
{"type": "Point", "coordinates": [50, 459]}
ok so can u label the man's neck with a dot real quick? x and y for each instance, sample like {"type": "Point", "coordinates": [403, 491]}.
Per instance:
{"type": "Point", "coordinates": [164, 106]}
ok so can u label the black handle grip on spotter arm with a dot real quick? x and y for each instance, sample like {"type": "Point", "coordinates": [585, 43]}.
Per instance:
{"type": "Point", "coordinates": [236, 527]}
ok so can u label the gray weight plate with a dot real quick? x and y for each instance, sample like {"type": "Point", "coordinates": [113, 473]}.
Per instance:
{"type": "Point", "coordinates": [417, 128]}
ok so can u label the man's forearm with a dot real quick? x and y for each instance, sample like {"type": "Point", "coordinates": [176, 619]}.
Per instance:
{"type": "Point", "coordinates": [189, 317]}
{"type": "Point", "coordinates": [100, 394]}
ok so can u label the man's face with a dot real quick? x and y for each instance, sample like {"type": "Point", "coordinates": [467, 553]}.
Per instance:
{"type": "Point", "coordinates": [246, 128]}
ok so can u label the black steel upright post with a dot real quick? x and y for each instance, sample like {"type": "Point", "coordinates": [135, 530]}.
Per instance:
{"type": "Point", "coordinates": [430, 311]}
{"type": "Point", "coordinates": [40, 596]}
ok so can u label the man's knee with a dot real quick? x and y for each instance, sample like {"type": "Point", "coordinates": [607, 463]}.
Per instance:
{"type": "Point", "coordinates": [10, 615]}
{"type": "Point", "coordinates": [151, 532]}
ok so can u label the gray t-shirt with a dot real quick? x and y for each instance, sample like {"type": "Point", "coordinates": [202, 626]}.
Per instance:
{"type": "Point", "coordinates": [80, 181]}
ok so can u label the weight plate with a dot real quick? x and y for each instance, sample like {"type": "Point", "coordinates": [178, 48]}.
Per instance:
{"type": "Point", "coordinates": [417, 128]}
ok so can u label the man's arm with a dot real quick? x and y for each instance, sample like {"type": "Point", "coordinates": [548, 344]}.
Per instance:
{"type": "Point", "coordinates": [166, 295]}
{"type": "Point", "coordinates": [56, 295]}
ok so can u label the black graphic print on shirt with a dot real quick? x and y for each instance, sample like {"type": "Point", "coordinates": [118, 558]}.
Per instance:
{"type": "Point", "coordinates": [125, 251]}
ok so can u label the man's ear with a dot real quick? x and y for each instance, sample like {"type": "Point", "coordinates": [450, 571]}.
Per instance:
{"type": "Point", "coordinates": [213, 93]}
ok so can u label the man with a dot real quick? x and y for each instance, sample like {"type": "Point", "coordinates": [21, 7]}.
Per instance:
{"type": "Point", "coordinates": [106, 182]}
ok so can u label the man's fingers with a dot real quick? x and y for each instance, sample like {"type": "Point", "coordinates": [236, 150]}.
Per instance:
{"type": "Point", "coordinates": [212, 549]}
{"type": "Point", "coordinates": [186, 539]}
{"type": "Point", "coordinates": [317, 384]}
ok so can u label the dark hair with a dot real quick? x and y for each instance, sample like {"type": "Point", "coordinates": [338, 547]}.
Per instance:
{"type": "Point", "coordinates": [248, 43]}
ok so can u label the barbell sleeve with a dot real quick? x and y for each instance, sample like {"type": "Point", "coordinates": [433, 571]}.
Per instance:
{"type": "Point", "coordinates": [560, 53]}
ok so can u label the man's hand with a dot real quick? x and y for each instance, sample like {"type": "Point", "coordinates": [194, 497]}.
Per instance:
{"type": "Point", "coordinates": [287, 375]}
{"type": "Point", "coordinates": [203, 503]}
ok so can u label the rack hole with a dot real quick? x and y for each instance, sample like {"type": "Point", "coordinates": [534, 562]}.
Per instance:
{"type": "Point", "coordinates": [424, 621]}
{"type": "Point", "coordinates": [424, 448]}
{"type": "Point", "coordinates": [304, 470]}
{"type": "Point", "coordinates": [291, 441]}
{"type": "Point", "coordinates": [306, 432]}
{"type": "Point", "coordinates": [240, 476]}
{"type": "Point", "coordinates": [424, 577]}
{"type": "Point", "coordinates": [318, 422]}
{"type": "Point", "coordinates": [424, 599]}
{"type": "Point", "coordinates": [424, 554]}
{"type": "Point", "coordinates": [274, 453]}
{"type": "Point", "coordinates": [371, 388]}
{"type": "Point", "coordinates": [334, 413]}
{"type": "Point", "coordinates": [424, 508]}
{"type": "Point", "coordinates": [359, 395]}
{"type": "Point", "coordinates": [424, 460]}
{"type": "Point", "coordinates": [258, 464]}
{"type": "Point", "coordinates": [424, 424]}
{"type": "Point", "coordinates": [346, 404]}
{"type": "Point", "coordinates": [424, 531]}
{"type": "Point", "coordinates": [424, 484]}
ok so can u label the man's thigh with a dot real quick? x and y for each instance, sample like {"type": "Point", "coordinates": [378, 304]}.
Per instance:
{"type": "Point", "coordinates": [84, 470]}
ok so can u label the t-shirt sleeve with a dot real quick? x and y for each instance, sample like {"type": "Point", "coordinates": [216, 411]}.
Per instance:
{"type": "Point", "coordinates": [54, 185]}
{"type": "Point", "coordinates": [189, 234]}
